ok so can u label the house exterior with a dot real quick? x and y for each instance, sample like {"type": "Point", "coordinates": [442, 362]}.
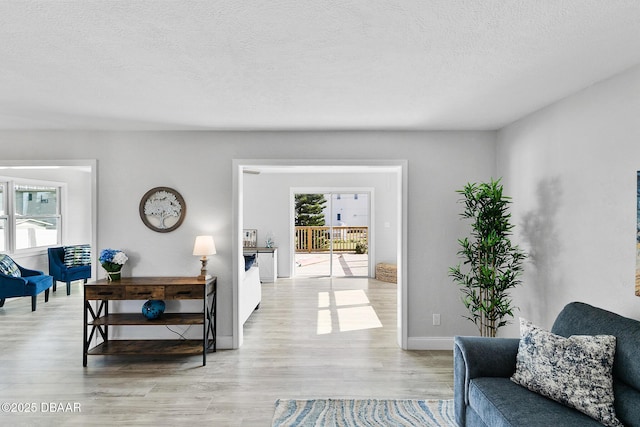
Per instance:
{"type": "Point", "coordinates": [348, 209]}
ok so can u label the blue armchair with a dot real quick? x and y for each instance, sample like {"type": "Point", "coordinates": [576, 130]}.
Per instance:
{"type": "Point", "coordinates": [69, 263]}
{"type": "Point", "coordinates": [17, 281]}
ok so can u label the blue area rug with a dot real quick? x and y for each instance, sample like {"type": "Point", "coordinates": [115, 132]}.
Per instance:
{"type": "Point", "coordinates": [366, 412]}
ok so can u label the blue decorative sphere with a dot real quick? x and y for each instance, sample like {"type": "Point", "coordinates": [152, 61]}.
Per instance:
{"type": "Point", "coordinates": [153, 308]}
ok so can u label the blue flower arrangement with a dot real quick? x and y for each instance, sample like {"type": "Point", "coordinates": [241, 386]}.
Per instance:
{"type": "Point", "coordinates": [112, 261]}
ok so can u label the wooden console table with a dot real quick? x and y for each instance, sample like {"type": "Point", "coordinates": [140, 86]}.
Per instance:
{"type": "Point", "coordinates": [96, 322]}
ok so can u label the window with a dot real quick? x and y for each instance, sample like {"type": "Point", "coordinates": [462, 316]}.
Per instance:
{"type": "Point", "coordinates": [339, 217]}
{"type": "Point", "coordinates": [31, 218]}
{"type": "Point", "coordinates": [37, 216]}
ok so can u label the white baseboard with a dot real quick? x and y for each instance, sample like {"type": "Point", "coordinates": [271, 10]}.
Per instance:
{"type": "Point", "coordinates": [430, 343]}
{"type": "Point", "coordinates": [414, 343]}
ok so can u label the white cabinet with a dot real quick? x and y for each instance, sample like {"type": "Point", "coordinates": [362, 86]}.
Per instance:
{"type": "Point", "coordinates": [268, 263]}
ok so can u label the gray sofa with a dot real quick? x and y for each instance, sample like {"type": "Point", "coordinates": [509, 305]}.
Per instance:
{"type": "Point", "coordinates": [485, 396]}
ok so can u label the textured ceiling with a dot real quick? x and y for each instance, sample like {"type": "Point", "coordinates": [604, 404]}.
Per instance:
{"type": "Point", "coordinates": [303, 64]}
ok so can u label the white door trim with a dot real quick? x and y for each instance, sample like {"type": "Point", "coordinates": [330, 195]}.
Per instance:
{"type": "Point", "coordinates": [396, 166]}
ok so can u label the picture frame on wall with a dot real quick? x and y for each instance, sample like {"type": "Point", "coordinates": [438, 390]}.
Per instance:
{"type": "Point", "coordinates": [162, 209]}
{"type": "Point", "coordinates": [250, 238]}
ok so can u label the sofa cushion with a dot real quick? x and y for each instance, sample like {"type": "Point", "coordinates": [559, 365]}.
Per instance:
{"type": "Point", "coordinates": [499, 402]}
{"type": "Point", "coordinates": [575, 371]}
{"type": "Point", "coordinates": [8, 266]}
{"type": "Point", "coordinates": [77, 255]}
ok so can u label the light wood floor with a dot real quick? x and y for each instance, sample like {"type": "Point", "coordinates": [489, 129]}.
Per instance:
{"type": "Point", "coordinates": [311, 338]}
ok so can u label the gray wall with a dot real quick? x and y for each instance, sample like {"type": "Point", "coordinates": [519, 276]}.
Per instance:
{"type": "Point", "coordinates": [199, 166]}
{"type": "Point", "coordinates": [572, 171]}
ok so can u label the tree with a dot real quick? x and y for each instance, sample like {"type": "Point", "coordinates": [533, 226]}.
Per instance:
{"type": "Point", "coordinates": [494, 264]}
{"type": "Point", "coordinates": [310, 209]}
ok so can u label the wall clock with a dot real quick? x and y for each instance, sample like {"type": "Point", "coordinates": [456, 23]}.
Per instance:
{"type": "Point", "coordinates": [162, 209]}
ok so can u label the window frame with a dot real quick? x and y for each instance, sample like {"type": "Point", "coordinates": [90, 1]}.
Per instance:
{"type": "Point", "coordinates": [10, 185]}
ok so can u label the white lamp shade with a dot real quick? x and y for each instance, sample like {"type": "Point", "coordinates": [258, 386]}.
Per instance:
{"type": "Point", "coordinates": [204, 246]}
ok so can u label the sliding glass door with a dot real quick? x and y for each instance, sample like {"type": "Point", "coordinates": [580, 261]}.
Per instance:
{"type": "Point", "coordinates": [332, 234]}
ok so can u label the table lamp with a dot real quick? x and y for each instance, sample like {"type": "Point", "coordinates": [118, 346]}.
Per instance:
{"type": "Point", "coordinates": [204, 246]}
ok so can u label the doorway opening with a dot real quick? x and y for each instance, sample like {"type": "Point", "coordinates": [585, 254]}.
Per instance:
{"type": "Point", "coordinates": [251, 212]}
{"type": "Point", "coordinates": [332, 231]}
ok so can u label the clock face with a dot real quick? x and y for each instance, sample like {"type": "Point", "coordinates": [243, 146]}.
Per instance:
{"type": "Point", "coordinates": [162, 209]}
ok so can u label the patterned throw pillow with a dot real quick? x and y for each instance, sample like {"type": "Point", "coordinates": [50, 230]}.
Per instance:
{"type": "Point", "coordinates": [248, 261]}
{"type": "Point", "coordinates": [8, 266]}
{"type": "Point", "coordinates": [574, 371]}
{"type": "Point", "coordinates": [77, 255]}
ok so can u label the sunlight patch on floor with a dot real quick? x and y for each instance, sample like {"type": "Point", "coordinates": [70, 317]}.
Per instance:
{"type": "Point", "coordinates": [351, 309]}
{"type": "Point", "coordinates": [323, 300]}
{"type": "Point", "coordinates": [324, 322]}
{"type": "Point", "coordinates": [358, 318]}
{"type": "Point", "coordinates": [354, 297]}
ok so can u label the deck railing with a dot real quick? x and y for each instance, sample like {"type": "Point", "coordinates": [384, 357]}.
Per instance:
{"type": "Point", "coordinates": [345, 239]}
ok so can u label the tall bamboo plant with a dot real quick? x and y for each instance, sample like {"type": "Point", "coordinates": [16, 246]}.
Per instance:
{"type": "Point", "coordinates": [493, 263]}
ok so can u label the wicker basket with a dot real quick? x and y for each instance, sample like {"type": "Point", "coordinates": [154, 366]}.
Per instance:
{"type": "Point", "coordinates": [386, 272]}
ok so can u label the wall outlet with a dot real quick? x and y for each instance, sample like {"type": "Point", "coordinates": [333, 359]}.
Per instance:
{"type": "Point", "coordinates": [436, 320]}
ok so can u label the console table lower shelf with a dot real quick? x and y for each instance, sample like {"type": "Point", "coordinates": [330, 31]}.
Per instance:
{"type": "Point", "coordinates": [97, 322]}
{"type": "Point", "coordinates": [148, 347]}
